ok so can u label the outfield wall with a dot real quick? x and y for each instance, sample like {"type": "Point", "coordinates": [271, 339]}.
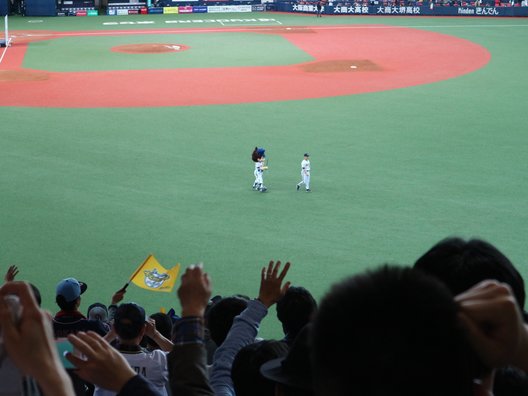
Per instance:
{"type": "Point", "coordinates": [344, 9]}
{"type": "Point", "coordinates": [115, 7]}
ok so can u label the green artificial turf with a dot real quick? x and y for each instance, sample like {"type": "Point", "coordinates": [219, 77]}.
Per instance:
{"type": "Point", "coordinates": [90, 193]}
{"type": "Point", "coordinates": [229, 49]}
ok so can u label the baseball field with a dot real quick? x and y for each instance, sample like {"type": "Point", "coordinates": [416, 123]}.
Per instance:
{"type": "Point", "coordinates": [128, 136]}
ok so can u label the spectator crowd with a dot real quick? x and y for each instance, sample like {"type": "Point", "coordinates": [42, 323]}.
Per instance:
{"type": "Point", "coordinates": [451, 324]}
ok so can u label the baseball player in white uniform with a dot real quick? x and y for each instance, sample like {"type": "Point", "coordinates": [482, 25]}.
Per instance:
{"type": "Point", "coordinates": [259, 157]}
{"type": "Point", "coordinates": [305, 173]}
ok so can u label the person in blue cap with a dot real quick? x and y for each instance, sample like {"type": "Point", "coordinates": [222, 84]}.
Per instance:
{"type": "Point", "coordinates": [259, 158]}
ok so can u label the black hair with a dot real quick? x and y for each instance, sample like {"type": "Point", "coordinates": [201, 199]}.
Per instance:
{"type": "Point", "coordinates": [294, 310]}
{"type": "Point", "coordinates": [129, 321]}
{"type": "Point", "coordinates": [36, 294]}
{"type": "Point", "coordinates": [220, 317]}
{"type": "Point", "coordinates": [462, 264]}
{"type": "Point", "coordinates": [393, 331]}
{"type": "Point", "coordinates": [163, 325]}
{"type": "Point", "coordinates": [66, 305]}
{"type": "Point", "coordinates": [245, 370]}
{"type": "Point", "coordinates": [255, 155]}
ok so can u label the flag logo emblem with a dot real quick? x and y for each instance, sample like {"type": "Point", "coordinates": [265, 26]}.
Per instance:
{"type": "Point", "coordinates": [152, 276]}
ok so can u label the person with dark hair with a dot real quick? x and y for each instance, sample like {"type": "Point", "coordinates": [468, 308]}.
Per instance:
{"type": "Point", "coordinates": [210, 345]}
{"type": "Point", "coordinates": [69, 319]}
{"type": "Point", "coordinates": [130, 326]}
{"type": "Point", "coordinates": [294, 310]}
{"type": "Point", "coordinates": [461, 264]}
{"type": "Point", "coordinates": [292, 374]}
{"type": "Point", "coordinates": [27, 341]}
{"type": "Point", "coordinates": [258, 156]}
{"type": "Point", "coordinates": [97, 311]}
{"type": "Point", "coordinates": [220, 317]}
{"type": "Point", "coordinates": [305, 166]}
{"type": "Point", "coordinates": [162, 323]}
{"type": "Point", "coordinates": [245, 372]}
{"type": "Point", "coordinates": [246, 325]}
{"type": "Point", "coordinates": [392, 331]}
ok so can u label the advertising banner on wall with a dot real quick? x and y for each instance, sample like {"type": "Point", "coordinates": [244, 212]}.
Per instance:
{"type": "Point", "coordinates": [406, 10]}
{"type": "Point", "coordinates": [185, 10]}
{"type": "Point", "coordinates": [155, 10]}
{"type": "Point", "coordinates": [227, 8]}
{"type": "Point", "coordinates": [170, 10]}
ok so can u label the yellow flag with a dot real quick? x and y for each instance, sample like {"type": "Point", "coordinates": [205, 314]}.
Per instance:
{"type": "Point", "coordinates": [152, 276]}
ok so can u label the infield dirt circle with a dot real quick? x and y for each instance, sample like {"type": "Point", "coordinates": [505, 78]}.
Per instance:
{"type": "Point", "coordinates": [347, 60]}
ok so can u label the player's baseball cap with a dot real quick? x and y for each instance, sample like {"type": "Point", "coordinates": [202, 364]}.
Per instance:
{"type": "Point", "coordinates": [129, 319]}
{"type": "Point", "coordinates": [306, 154]}
{"type": "Point", "coordinates": [98, 311]}
{"type": "Point", "coordinates": [71, 289]}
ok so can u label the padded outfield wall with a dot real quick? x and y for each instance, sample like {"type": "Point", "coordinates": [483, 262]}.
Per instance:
{"type": "Point", "coordinates": [350, 9]}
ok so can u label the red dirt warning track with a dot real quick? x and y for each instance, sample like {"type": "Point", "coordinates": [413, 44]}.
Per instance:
{"type": "Point", "coordinates": [347, 60]}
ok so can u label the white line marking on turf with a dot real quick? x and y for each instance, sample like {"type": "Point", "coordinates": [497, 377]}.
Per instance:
{"type": "Point", "coordinates": [8, 42]}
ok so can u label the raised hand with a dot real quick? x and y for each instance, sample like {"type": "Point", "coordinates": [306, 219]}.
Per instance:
{"type": "Point", "coordinates": [271, 287]}
{"type": "Point", "coordinates": [195, 291]}
{"type": "Point", "coordinates": [118, 296]}
{"type": "Point", "coordinates": [11, 273]}
{"type": "Point", "coordinates": [493, 320]}
{"type": "Point", "coordinates": [100, 364]}
{"type": "Point", "coordinates": [28, 339]}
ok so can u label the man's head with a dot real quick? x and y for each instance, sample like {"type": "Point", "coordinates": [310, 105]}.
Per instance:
{"type": "Point", "coordinates": [245, 370]}
{"type": "Point", "coordinates": [97, 311]}
{"type": "Point", "coordinates": [68, 293]}
{"type": "Point", "coordinates": [163, 325]}
{"type": "Point", "coordinates": [462, 264]}
{"type": "Point", "coordinates": [306, 156]}
{"type": "Point", "coordinates": [294, 310]}
{"type": "Point", "coordinates": [129, 322]}
{"type": "Point", "coordinates": [258, 153]}
{"type": "Point", "coordinates": [219, 317]}
{"type": "Point", "coordinates": [392, 331]}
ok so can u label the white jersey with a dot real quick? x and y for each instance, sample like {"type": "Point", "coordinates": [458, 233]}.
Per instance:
{"type": "Point", "coordinates": [258, 167]}
{"type": "Point", "coordinates": [305, 167]}
{"type": "Point", "coordinates": [151, 365]}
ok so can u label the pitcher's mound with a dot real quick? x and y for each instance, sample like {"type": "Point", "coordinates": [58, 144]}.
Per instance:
{"type": "Point", "coordinates": [333, 66]}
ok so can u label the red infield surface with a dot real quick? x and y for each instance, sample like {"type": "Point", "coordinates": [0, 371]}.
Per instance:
{"type": "Point", "coordinates": [348, 60]}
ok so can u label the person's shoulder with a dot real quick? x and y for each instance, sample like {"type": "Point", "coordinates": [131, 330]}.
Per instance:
{"type": "Point", "coordinates": [96, 325]}
{"type": "Point", "coordinates": [157, 355]}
